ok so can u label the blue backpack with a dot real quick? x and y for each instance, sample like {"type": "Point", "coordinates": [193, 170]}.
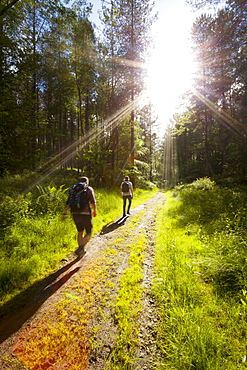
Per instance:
{"type": "Point", "coordinates": [78, 197]}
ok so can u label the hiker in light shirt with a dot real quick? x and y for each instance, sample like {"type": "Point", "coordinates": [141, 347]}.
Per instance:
{"type": "Point", "coordinates": [127, 193]}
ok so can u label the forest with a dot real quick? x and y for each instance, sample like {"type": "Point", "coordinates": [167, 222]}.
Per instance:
{"type": "Point", "coordinates": [167, 287]}
{"type": "Point", "coordinates": [211, 134]}
{"type": "Point", "coordinates": [70, 97]}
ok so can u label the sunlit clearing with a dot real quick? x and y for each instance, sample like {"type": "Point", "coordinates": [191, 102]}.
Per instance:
{"type": "Point", "coordinates": [171, 65]}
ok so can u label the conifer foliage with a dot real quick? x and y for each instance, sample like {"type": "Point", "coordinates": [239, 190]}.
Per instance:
{"type": "Point", "coordinates": [67, 95]}
{"type": "Point", "coordinates": [211, 134]}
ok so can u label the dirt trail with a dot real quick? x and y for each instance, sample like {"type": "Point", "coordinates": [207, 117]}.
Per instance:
{"type": "Point", "coordinates": [72, 308]}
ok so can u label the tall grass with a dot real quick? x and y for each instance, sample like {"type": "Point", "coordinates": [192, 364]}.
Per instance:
{"type": "Point", "coordinates": [30, 249]}
{"type": "Point", "coordinates": [220, 215]}
{"type": "Point", "coordinates": [34, 239]}
{"type": "Point", "coordinates": [200, 280]}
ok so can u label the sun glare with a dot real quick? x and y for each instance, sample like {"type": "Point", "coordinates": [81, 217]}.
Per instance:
{"type": "Point", "coordinates": [170, 67]}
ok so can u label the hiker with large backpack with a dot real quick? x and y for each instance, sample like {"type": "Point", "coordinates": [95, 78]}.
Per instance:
{"type": "Point", "coordinates": [127, 193]}
{"type": "Point", "coordinates": [82, 204]}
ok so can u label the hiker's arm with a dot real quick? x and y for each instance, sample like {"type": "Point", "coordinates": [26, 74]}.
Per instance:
{"type": "Point", "coordinates": [94, 209]}
{"type": "Point", "coordinates": [65, 211]}
{"type": "Point", "coordinates": [92, 202]}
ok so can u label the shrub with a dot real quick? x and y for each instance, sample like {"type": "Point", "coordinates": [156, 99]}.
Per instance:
{"type": "Point", "coordinates": [13, 208]}
{"type": "Point", "coordinates": [220, 215]}
{"type": "Point", "coordinates": [50, 200]}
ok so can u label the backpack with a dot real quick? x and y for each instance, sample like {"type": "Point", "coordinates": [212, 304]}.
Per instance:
{"type": "Point", "coordinates": [78, 197]}
{"type": "Point", "coordinates": [125, 187]}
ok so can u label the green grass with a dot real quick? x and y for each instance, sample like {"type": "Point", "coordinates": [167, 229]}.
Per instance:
{"type": "Point", "coordinates": [35, 240]}
{"type": "Point", "coordinates": [31, 249]}
{"type": "Point", "coordinates": [199, 282]}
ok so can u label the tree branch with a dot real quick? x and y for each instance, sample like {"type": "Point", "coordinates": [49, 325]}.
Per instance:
{"type": "Point", "coordinates": [7, 7]}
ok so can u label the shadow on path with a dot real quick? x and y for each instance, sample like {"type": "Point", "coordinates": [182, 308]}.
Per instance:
{"type": "Point", "coordinates": [114, 225]}
{"type": "Point", "coordinates": [14, 313]}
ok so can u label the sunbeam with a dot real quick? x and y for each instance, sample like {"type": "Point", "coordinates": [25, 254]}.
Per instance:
{"type": "Point", "coordinates": [223, 116]}
{"type": "Point", "coordinates": [68, 153]}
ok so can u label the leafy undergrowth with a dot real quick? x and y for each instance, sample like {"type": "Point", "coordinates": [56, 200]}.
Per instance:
{"type": "Point", "coordinates": [199, 288]}
{"type": "Point", "coordinates": [96, 316]}
{"type": "Point", "coordinates": [200, 282]}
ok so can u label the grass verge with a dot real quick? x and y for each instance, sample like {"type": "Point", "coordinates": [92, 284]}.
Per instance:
{"type": "Point", "coordinates": [128, 305]}
{"type": "Point", "coordinates": [201, 326]}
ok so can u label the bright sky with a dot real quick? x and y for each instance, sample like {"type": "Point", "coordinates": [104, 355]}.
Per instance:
{"type": "Point", "coordinates": [170, 68]}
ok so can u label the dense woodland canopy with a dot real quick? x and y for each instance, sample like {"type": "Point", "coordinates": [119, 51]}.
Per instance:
{"type": "Point", "coordinates": [69, 97]}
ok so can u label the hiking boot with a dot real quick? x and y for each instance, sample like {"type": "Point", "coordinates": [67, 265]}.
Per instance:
{"type": "Point", "coordinates": [80, 251]}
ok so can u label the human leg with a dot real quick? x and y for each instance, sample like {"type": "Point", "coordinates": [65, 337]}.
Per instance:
{"type": "Point", "coordinates": [124, 205]}
{"type": "Point", "coordinates": [129, 205]}
{"type": "Point", "coordinates": [83, 239]}
{"type": "Point", "coordinates": [84, 227]}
